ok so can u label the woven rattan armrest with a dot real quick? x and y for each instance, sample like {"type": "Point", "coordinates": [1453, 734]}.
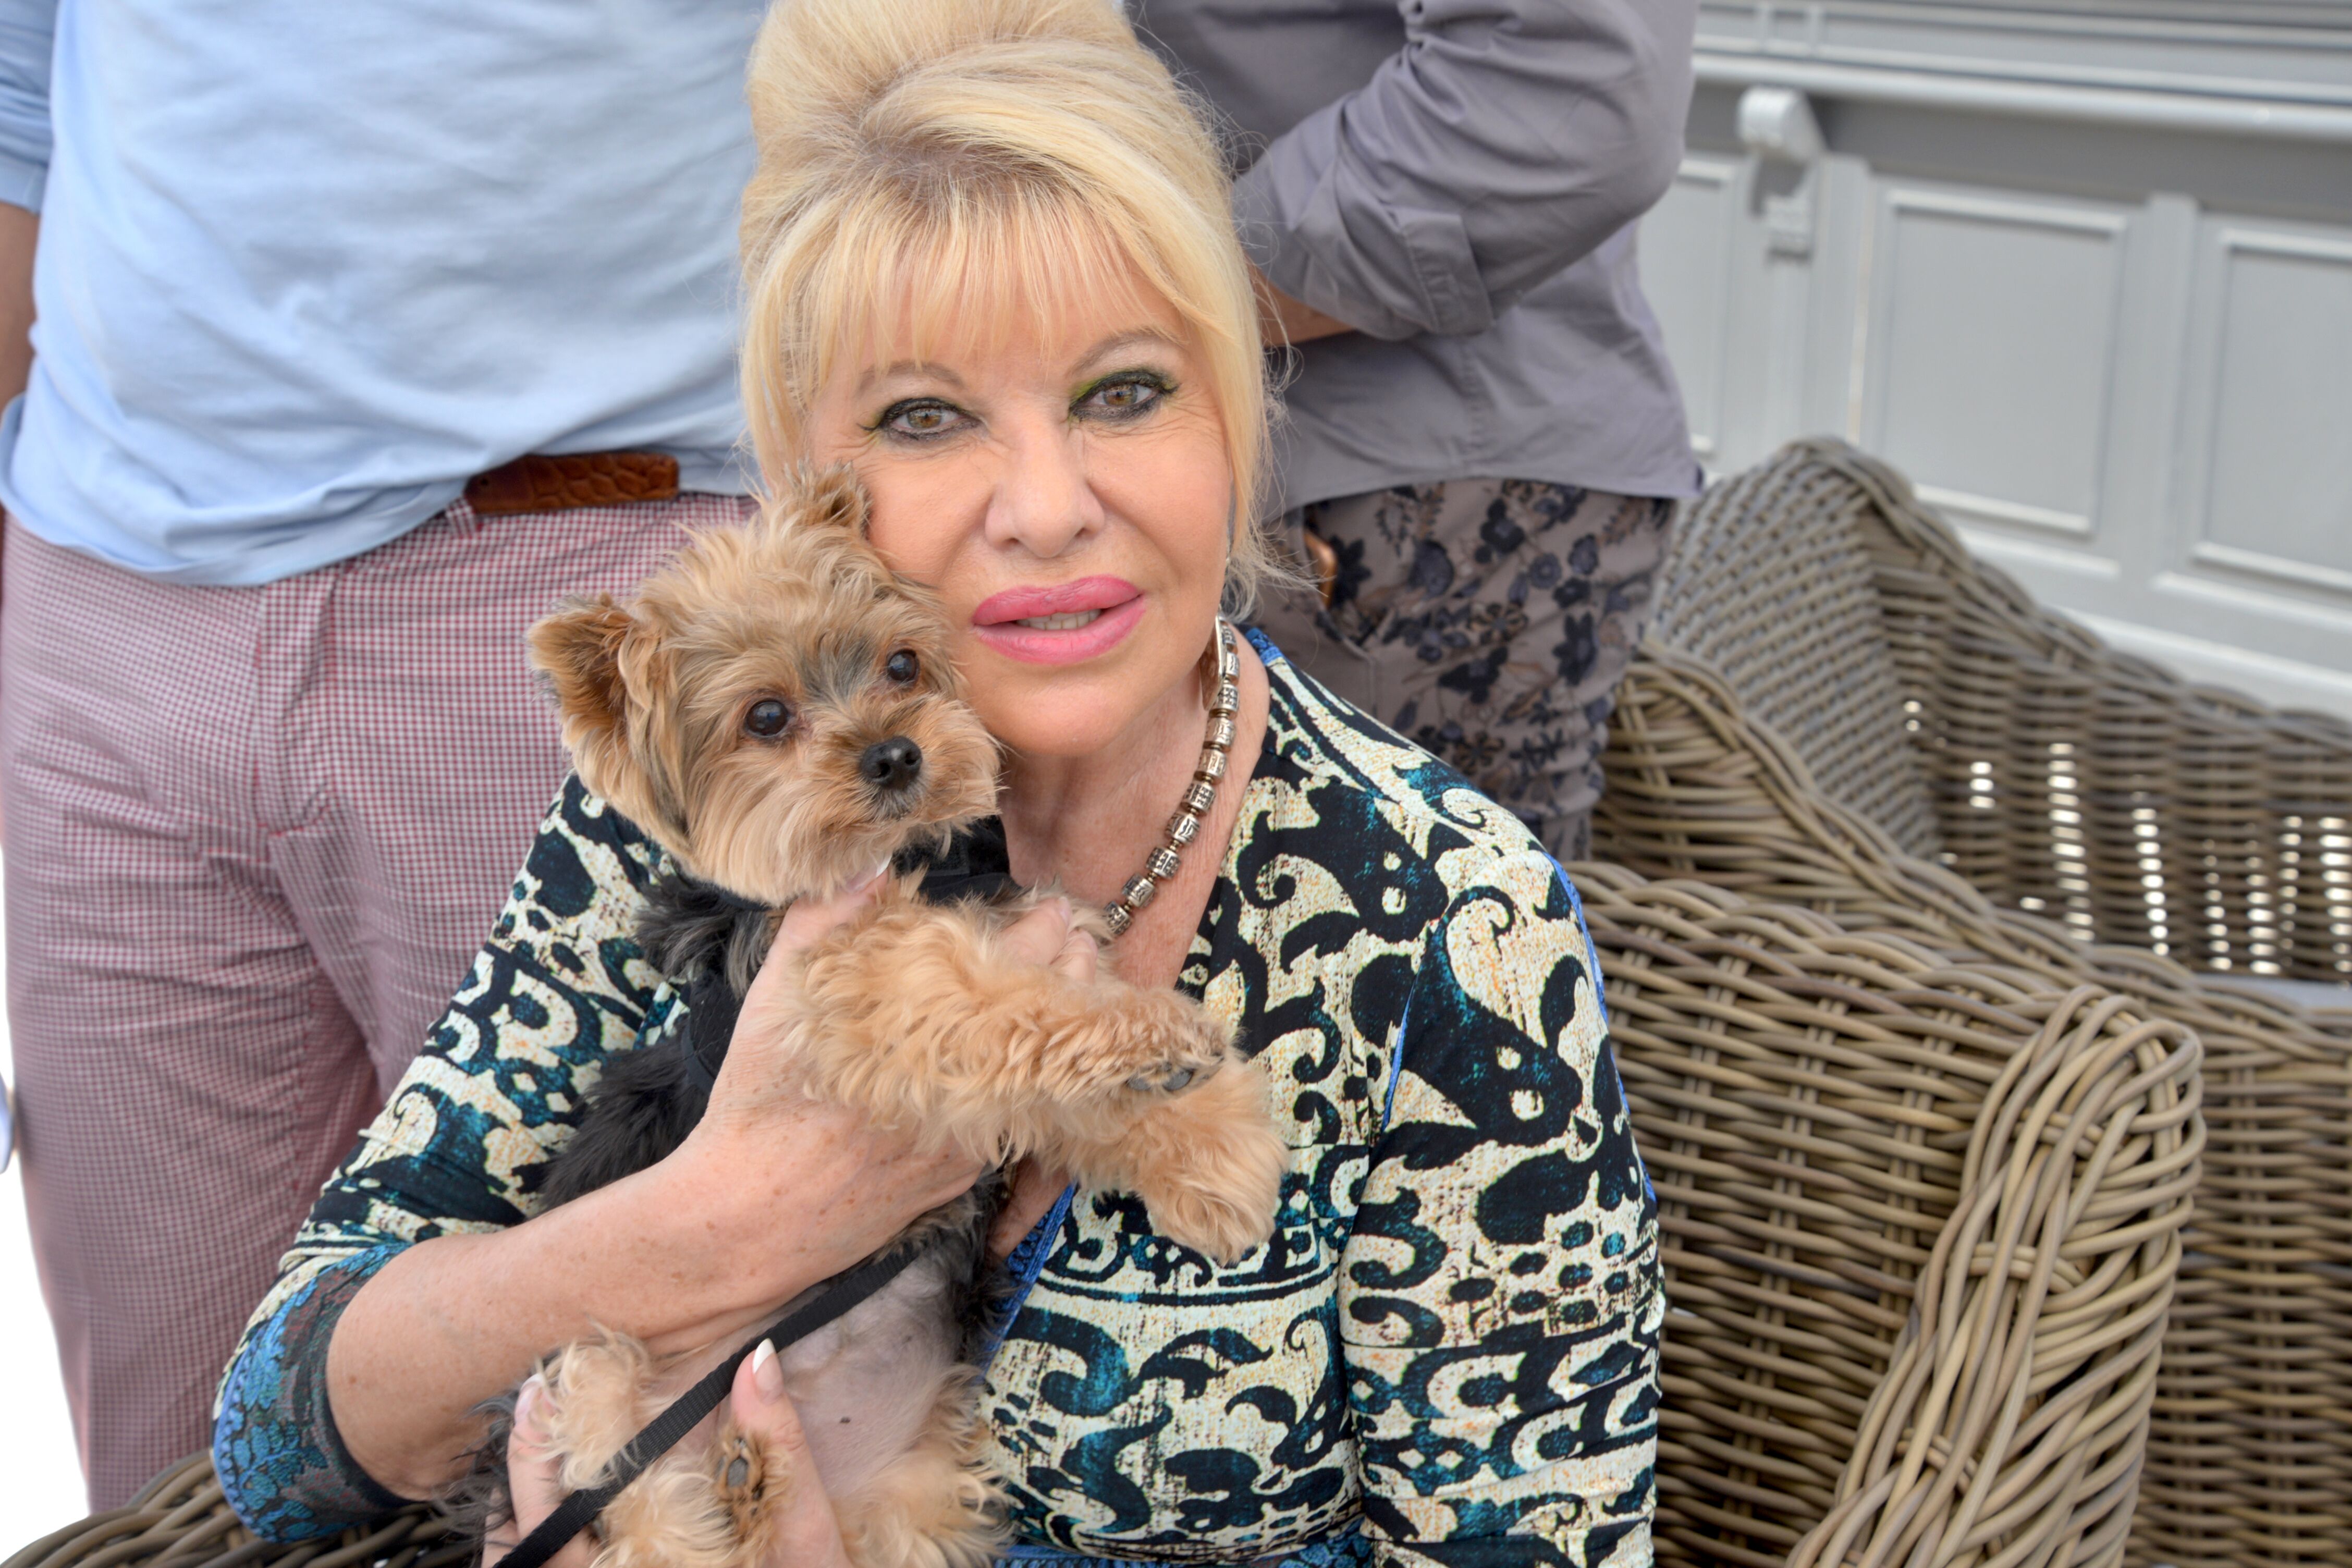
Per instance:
{"type": "Point", "coordinates": [183, 1520]}
{"type": "Point", "coordinates": [2248, 1458]}
{"type": "Point", "coordinates": [1921, 1220]}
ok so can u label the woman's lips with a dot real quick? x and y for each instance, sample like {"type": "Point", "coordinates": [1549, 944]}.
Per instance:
{"type": "Point", "coordinates": [1085, 620]}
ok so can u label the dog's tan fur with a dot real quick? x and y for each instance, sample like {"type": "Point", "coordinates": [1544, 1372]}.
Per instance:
{"type": "Point", "coordinates": [913, 1012]}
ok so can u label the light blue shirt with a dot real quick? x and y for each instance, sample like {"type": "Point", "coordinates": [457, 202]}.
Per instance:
{"type": "Point", "coordinates": [306, 266]}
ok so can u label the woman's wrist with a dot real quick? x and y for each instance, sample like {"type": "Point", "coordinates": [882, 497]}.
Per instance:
{"type": "Point", "coordinates": [458, 1319]}
{"type": "Point", "coordinates": [713, 1248]}
{"type": "Point", "coordinates": [774, 1192]}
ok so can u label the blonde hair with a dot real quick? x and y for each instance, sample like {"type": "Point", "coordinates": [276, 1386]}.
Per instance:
{"type": "Point", "coordinates": [1004, 152]}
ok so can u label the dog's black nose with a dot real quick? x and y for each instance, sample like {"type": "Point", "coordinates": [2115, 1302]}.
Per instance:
{"type": "Point", "coordinates": [891, 764]}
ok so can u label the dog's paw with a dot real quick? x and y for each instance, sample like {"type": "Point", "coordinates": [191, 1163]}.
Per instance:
{"type": "Point", "coordinates": [750, 1481]}
{"type": "Point", "coordinates": [1172, 1044]}
{"type": "Point", "coordinates": [1227, 1224]}
{"type": "Point", "coordinates": [1221, 1191]}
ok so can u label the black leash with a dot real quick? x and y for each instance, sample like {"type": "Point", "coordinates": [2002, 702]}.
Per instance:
{"type": "Point", "coordinates": [839, 1297]}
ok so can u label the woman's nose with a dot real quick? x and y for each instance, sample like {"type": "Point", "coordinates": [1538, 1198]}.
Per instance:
{"type": "Point", "coordinates": [1043, 500]}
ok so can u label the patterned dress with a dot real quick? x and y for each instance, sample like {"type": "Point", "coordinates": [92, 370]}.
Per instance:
{"type": "Point", "coordinates": [1447, 1354]}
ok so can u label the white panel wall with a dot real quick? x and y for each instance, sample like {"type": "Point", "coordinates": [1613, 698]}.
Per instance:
{"type": "Point", "coordinates": [1687, 271]}
{"type": "Point", "coordinates": [1992, 325]}
{"type": "Point", "coordinates": [2276, 447]}
{"type": "Point", "coordinates": [2053, 269]}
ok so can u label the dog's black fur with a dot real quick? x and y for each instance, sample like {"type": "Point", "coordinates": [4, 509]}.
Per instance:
{"type": "Point", "coordinates": [710, 942]}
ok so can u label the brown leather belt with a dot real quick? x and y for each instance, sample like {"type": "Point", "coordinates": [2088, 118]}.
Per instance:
{"type": "Point", "coordinates": [539, 483]}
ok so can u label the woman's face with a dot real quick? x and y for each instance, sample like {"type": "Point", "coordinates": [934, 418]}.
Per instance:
{"type": "Point", "coordinates": [1066, 491]}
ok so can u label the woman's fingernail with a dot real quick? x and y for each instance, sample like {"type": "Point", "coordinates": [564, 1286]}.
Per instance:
{"type": "Point", "coordinates": [767, 1372]}
{"type": "Point", "coordinates": [867, 880]}
{"type": "Point", "coordinates": [527, 1401]}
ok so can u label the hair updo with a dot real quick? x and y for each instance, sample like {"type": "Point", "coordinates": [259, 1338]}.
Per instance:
{"type": "Point", "coordinates": [924, 164]}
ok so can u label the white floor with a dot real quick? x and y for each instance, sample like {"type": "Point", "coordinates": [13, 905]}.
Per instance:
{"type": "Point", "coordinates": [40, 1476]}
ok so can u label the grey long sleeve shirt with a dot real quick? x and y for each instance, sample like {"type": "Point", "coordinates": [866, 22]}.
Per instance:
{"type": "Point", "coordinates": [1458, 180]}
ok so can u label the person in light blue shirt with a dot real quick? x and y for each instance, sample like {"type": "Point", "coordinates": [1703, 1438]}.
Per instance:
{"type": "Point", "coordinates": [306, 273]}
{"type": "Point", "coordinates": [305, 269]}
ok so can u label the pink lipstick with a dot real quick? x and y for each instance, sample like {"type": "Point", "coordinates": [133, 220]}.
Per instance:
{"type": "Point", "coordinates": [1065, 623]}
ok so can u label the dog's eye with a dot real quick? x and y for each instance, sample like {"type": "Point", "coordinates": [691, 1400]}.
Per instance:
{"type": "Point", "coordinates": [766, 718]}
{"type": "Point", "coordinates": [900, 667]}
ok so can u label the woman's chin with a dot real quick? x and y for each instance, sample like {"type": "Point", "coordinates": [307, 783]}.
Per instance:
{"type": "Point", "coordinates": [1074, 710]}
{"type": "Point", "coordinates": [1064, 738]}
{"type": "Point", "coordinates": [1061, 719]}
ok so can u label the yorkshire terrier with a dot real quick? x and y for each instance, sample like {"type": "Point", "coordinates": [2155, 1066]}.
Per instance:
{"type": "Point", "coordinates": [778, 711]}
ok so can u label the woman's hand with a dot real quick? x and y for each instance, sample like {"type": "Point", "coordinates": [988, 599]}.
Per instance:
{"type": "Point", "coordinates": [784, 1190]}
{"type": "Point", "coordinates": [1028, 1198]}
{"type": "Point", "coordinates": [803, 1534]}
{"type": "Point", "coordinates": [757, 1077]}
{"type": "Point", "coordinates": [534, 1489]}
{"type": "Point", "coordinates": [808, 1188]}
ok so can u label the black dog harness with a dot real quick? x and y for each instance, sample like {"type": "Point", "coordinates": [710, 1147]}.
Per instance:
{"type": "Point", "coordinates": [974, 865]}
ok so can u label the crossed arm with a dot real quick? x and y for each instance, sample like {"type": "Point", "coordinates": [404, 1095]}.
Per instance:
{"type": "Point", "coordinates": [1506, 141]}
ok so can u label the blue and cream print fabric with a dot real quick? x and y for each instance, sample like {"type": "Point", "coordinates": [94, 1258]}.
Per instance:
{"type": "Point", "coordinates": [1448, 1353]}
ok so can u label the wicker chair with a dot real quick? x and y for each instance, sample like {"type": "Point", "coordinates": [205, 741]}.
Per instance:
{"type": "Point", "coordinates": [2052, 772]}
{"type": "Point", "coordinates": [1921, 1222]}
{"type": "Point", "coordinates": [1818, 620]}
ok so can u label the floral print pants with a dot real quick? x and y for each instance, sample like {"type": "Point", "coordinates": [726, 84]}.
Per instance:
{"type": "Point", "coordinates": [1488, 621]}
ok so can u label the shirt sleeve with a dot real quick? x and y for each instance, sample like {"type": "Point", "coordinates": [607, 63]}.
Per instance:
{"type": "Point", "coordinates": [27, 32]}
{"type": "Point", "coordinates": [559, 986]}
{"type": "Point", "coordinates": [1507, 140]}
{"type": "Point", "coordinates": [1500, 1298]}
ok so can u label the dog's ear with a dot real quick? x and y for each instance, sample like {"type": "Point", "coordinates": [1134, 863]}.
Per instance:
{"type": "Point", "coordinates": [832, 504]}
{"type": "Point", "coordinates": [832, 498]}
{"type": "Point", "coordinates": [579, 649]}
{"type": "Point", "coordinates": [600, 659]}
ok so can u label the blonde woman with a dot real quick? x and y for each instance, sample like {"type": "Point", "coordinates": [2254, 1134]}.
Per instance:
{"type": "Point", "coordinates": [987, 262]}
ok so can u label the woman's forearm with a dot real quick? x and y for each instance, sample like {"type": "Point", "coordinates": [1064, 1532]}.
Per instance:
{"type": "Point", "coordinates": [695, 1250]}
{"type": "Point", "coordinates": [458, 1319]}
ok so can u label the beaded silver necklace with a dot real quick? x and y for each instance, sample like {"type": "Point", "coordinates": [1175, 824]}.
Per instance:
{"type": "Point", "coordinates": [1198, 796]}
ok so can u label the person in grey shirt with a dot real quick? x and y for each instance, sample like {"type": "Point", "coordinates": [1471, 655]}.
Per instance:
{"type": "Point", "coordinates": [1485, 440]}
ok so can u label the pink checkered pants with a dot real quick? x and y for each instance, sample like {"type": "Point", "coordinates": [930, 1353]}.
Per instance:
{"type": "Point", "coordinates": [253, 838]}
